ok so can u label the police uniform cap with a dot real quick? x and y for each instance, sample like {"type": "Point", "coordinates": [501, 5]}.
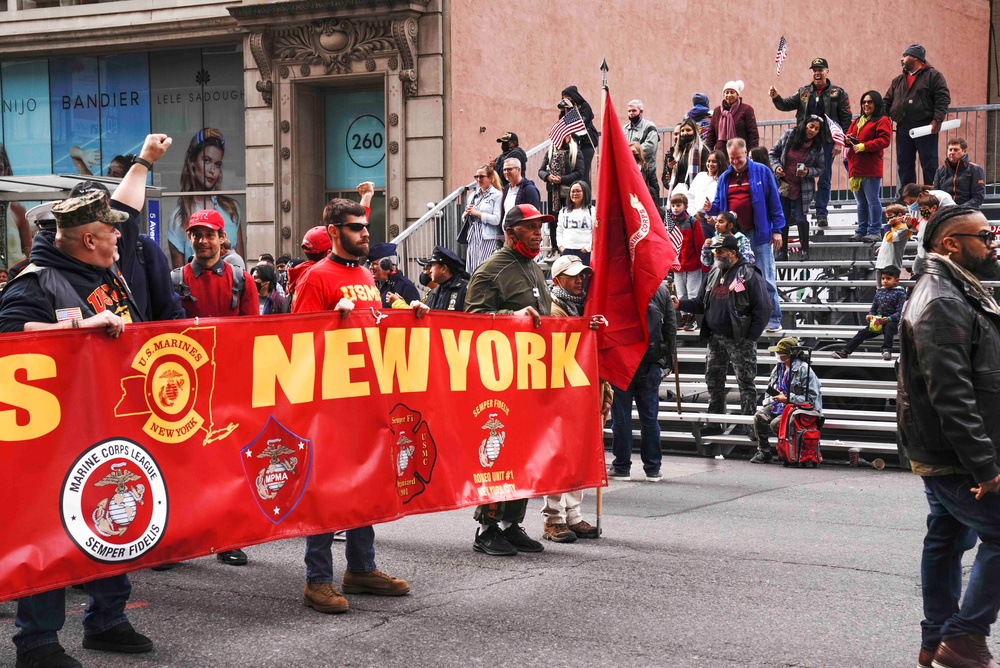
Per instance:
{"type": "Point", "coordinates": [379, 251]}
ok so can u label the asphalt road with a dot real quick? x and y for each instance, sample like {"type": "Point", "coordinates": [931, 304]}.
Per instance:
{"type": "Point", "coordinates": [720, 564]}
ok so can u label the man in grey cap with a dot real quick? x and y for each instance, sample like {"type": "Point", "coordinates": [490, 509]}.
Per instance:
{"type": "Point", "coordinates": [919, 96]}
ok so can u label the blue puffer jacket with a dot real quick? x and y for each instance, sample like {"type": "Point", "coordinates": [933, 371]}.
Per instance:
{"type": "Point", "coordinates": [767, 216]}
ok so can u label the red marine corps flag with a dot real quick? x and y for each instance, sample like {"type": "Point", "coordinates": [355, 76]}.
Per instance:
{"type": "Point", "coordinates": [632, 255]}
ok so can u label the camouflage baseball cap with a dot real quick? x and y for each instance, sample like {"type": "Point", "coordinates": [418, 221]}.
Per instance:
{"type": "Point", "coordinates": [88, 208]}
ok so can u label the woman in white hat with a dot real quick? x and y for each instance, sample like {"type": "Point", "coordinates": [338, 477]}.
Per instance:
{"type": "Point", "coordinates": [733, 118]}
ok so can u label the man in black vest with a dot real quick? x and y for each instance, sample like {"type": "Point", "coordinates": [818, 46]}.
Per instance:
{"type": "Point", "coordinates": [74, 283]}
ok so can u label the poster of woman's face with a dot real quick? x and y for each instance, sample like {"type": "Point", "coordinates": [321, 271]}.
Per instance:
{"type": "Point", "coordinates": [90, 115]}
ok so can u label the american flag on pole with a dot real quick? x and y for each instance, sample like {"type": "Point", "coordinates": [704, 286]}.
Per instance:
{"type": "Point", "coordinates": [570, 124]}
{"type": "Point", "coordinates": [837, 133]}
{"type": "Point", "coordinates": [780, 56]}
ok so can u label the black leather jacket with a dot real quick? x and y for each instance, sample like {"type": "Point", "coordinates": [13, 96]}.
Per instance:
{"type": "Point", "coordinates": [448, 296]}
{"type": "Point", "coordinates": [948, 380]}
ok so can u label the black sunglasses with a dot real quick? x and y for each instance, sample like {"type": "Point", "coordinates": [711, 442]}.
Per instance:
{"type": "Point", "coordinates": [986, 236]}
{"type": "Point", "coordinates": [354, 227]}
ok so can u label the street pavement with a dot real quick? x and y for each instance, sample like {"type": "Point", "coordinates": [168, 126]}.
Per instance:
{"type": "Point", "coordinates": [720, 564]}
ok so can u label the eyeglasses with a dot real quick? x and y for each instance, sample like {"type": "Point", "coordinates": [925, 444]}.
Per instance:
{"type": "Point", "coordinates": [481, 176]}
{"type": "Point", "coordinates": [986, 236]}
{"type": "Point", "coordinates": [510, 169]}
{"type": "Point", "coordinates": [864, 102]}
{"type": "Point", "coordinates": [354, 227]}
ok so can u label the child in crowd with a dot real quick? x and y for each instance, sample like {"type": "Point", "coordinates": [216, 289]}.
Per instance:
{"type": "Point", "coordinates": [725, 224]}
{"type": "Point", "coordinates": [883, 316]}
{"type": "Point", "coordinates": [927, 205]}
{"type": "Point", "coordinates": [890, 253]}
{"type": "Point", "coordinates": [690, 274]}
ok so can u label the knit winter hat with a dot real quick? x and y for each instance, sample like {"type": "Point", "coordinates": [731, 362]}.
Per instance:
{"type": "Point", "coordinates": [917, 51]}
{"type": "Point", "coordinates": [699, 99]}
{"type": "Point", "coordinates": [734, 85]}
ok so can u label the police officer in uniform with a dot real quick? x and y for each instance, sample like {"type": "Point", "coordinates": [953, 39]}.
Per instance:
{"type": "Point", "coordinates": [448, 271]}
{"type": "Point", "coordinates": [382, 262]}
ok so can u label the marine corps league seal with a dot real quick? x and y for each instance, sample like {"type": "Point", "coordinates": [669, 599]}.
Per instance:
{"type": "Point", "coordinates": [114, 502]}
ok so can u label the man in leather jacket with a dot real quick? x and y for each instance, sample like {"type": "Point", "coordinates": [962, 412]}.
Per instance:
{"type": "Point", "coordinates": [949, 423]}
{"type": "Point", "coordinates": [736, 307]}
{"type": "Point", "coordinates": [447, 270]}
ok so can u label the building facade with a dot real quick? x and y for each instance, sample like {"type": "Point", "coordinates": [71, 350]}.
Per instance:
{"type": "Point", "coordinates": [277, 105]}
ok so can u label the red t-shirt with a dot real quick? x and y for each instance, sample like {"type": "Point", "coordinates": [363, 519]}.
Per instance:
{"type": "Point", "coordinates": [212, 289]}
{"type": "Point", "coordinates": [738, 198]}
{"type": "Point", "coordinates": [328, 282]}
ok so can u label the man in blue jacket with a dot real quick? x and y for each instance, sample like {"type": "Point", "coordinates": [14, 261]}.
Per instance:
{"type": "Point", "coordinates": [748, 190]}
{"type": "Point", "coordinates": [518, 190]}
{"type": "Point", "coordinates": [961, 178]}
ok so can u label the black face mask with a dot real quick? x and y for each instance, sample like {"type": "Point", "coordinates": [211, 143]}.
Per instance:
{"type": "Point", "coordinates": [424, 279]}
{"type": "Point", "coordinates": [505, 146]}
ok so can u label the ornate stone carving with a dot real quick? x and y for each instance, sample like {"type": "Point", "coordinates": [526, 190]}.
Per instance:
{"type": "Point", "coordinates": [370, 64]}
{"type": "Point", "coordinates": [393, 63]}
{"type": "Point", "coordinates": [260, 50]}
{"type": "Point", "coordinates": [394, 204]}
{"type": "Point", "coordinates": [305, 70]}
{"type": "Point", "coordinates": [393, 231]}
{"type": "Point", "coordinates": [394, 119]}
{"type": "Point", "coordinates": [286, 205]}
{"type": "Point", "coordinates": [286, 231]}
{"type": "Point", "coordinates": [394, 147]}
{"type": "Point", "coordinates": [335, 44]}
{"type": "Point", "coordinates": [283, 72]}
{"type": "Point", "coordinates": [285, 126]}
{"type": "Point", "coordinates": [286, 153]}
{"type": "Point", "coordinates": [405, 33]}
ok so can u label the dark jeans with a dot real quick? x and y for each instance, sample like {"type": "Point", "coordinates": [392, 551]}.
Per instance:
{"type": "Point", "coordinates": [906, 155]}
{"type": "Point", "coordinates": [822, 199]}
{"type": "Point", "coordinates": [359, 550]}
{"type": "Point", "coordinates": [645, 392]}
{"type": "Point", "coordinates": [888, 330]}
{"type": "Point", "coordinates": [954, 520]}
{"type": "Point", "coordinates": [40, 617]}
{"type": "Point", "coordinates": [793, 213]}
{"type": "Point", "coordinates": [504, 511]}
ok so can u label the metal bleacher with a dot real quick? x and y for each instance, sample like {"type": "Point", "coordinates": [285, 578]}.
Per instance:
{"type": "Point", "coordinates": [824, 301]}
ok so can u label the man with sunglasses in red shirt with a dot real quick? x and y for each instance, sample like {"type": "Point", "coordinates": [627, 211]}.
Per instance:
{"type": "Point", "coordinates": [342, 283]}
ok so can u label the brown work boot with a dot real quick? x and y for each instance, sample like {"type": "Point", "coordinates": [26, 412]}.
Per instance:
{"type": "Point", "coordinates": [324, 597]}
{"type": "Point", "coordinates": [584, 529]}
{"type": "Point", "coordinates": [964, 652]}
{"type": "Point", "coordinates": [374, 582]}
{"type": "Point", "coordinates": [558, 533]}
{"type": "Point", "coordinates": [926, 657]}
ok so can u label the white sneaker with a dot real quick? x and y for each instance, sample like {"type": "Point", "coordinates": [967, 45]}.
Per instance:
{"type": "Point", "coordinates": [773, 330]}
{"type": "Point", "coordinates": [719, 457]}
{"type": "Point", "coordinates": [654, 477]}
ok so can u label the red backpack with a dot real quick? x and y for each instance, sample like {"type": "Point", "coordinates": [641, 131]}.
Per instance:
{"type": "Point", "coordinates": [798, 436]}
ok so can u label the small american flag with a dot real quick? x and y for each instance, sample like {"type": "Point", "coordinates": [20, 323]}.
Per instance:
{"type": "Point", "coordinates": [677, 239]}
{"type": "Point", "coordinates": [737, 285]}
{"type": "Point", "coordinates": [63, 314]}
{"type": "Point", "coordinates": [571, 123]}
{"type": "Point", "coordinates": [780, 56]}
{"type": "Point", "coordinates": [837, 133]}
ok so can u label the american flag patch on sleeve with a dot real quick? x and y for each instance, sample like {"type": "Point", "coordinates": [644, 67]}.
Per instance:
{"type": "Point", "coordinates": [64, 314]}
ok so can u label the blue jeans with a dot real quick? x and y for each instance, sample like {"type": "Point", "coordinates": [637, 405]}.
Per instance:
{"type": "Point", "coordinates": [822, 199]}
{"type": "Point", "coordinates": [869, 206]}
{"type": "Point", "coordinates": [40, 617]}
{"type": "Point", "coordinates": [906, 155]}
{"type": "Point", "coordinates": [359, 550]}
{"type": "Point", "coordinates": [954, 520]}
{"type": "Point", "coordinates": [765, 262]}
{"type": "Point", "coordinates": [645, 391]}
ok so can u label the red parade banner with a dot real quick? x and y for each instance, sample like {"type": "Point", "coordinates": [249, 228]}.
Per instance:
{"type": "Point", "coordinates": [182, 439]}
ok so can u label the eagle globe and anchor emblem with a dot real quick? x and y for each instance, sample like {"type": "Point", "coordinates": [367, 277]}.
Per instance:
{"type": "Point", "coordinates": [112, 515]}
{"type": "Point", "coordinates": [273, 477]}
{"type": "Point", "coordinates": [405, 453]}
{"type": "Point", "coordinates": [489, 449]}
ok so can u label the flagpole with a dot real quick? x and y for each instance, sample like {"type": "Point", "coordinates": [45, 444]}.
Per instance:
{"type": "Point", "coordinates": [594, 182]}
